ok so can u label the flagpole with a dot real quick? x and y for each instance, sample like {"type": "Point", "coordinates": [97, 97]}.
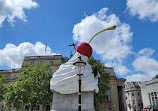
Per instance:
{"type": "Point", "coordinates": [46, 48]}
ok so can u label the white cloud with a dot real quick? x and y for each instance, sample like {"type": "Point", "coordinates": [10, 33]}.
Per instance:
{"type": "Point", "coordinates": [147, 65]}
{"type": "Point", "coordinates": [111, 45]}
{"type": "Point", "coordinates": [137, 77]}
{"type": "Point", "coordinates": [119, 68]}
{"type": "Point", "coordinates": [101, 13]}
{"type": "Point", "coordinates": [146, 52]}
{"type": "Point", "coordinates": [144, 9]}
{"type": "Point", "coordinates": [13, 55]}
{"type": "Point", "coordinates": [10, 9]}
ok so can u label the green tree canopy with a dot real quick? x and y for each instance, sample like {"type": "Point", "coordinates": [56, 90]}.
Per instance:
{"type": "Point", "coordinates": [2, 87]}
{"type": "Point", "coordinates": [32, 88]}
{"type": "Point", "coordinates": [103, 80]}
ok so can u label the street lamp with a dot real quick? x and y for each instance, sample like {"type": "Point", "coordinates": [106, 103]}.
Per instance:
{"type": "Point", "coordinates": [79, 65]}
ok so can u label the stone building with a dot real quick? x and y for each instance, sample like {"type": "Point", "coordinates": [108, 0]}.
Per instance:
{"type": "Point", "coordinates": [149, 90]}
{"type": "Point", "coordinates": [116, 94]}
{"type": "Point", "coordinates": [133, 96]}
{"type": "Point", "coordinates": [10, 74]}
{"type": "Point", "coordinates": [54, 60]}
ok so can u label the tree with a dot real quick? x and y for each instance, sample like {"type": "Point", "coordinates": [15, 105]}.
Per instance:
{"type": "Point", "coordinates": [32, 88]}
{"type": "Point", "coordinates": [2, 87]}
{"type": "Point", "coordinates": [103, 80]}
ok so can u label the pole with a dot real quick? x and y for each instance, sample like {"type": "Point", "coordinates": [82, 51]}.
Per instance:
{"type": "Point", "coordinates": [79, 93]}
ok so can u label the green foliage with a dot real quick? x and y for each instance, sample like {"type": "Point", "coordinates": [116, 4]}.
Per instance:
{"type": "Point", "coordinates": [32, 87]}
{"type": "Point", "coordinates": [103, 80]}
{"type": "Point", "coordinates": [2, 87]}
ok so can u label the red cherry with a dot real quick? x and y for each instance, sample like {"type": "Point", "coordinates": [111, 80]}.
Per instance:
{"type": "Point", "coordinates": [84, 49]}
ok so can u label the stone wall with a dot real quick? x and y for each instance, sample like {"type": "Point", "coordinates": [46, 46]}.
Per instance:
{"type": "Point", "coordinates": [69, 102]}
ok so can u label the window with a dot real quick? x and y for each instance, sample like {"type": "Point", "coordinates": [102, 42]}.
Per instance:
{"type": "Point", "coordinates": [155, 94]}
{"type": "Point", "coordinates": [150, 101]}
{"type": "Point", "coordinates": [50, 71]}
{"type": "Point", "coordinates": [132, 94]}
{"type": "Point", "coordinates": [138, 94]}
{"type": "Point", "coordinates": [133, 101]}
{"type": "Point", "coordinates": [32, 63]}
{"type": "Point", "coordinates": [139, 102]}
{"type": "Point", "coordinates": [48, 108]}
{"type": "Point", "coordinates": [41, 62]}
{"type": "Point", "coordinates": [51, 62]}
{"type": "Point", "coordinates": [152, 94]}
{"type": "Point", "coordinates": [155, 98]}
{"type": "Point", "coordinates": [26, 108]}
{"type": "Point", "coordinates": [149, 95]}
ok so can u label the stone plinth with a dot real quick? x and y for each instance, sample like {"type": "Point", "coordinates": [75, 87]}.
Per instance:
{"type": "Point", "coordinates": [69, 102]}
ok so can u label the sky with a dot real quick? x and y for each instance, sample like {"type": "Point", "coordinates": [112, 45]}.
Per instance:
{"type": "Point", "coordinates": [26, 26]}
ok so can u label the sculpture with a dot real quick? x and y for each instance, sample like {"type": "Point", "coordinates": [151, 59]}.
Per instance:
{"type": "Point", "coordinates": [65, 79]}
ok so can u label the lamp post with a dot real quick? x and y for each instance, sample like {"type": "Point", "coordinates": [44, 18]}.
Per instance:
{"type": "Point", "coordinates": [79, 64]}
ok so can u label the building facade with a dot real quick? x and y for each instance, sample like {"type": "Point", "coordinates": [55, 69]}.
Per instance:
{"type": "Point", "coordinates": [117, 94]}
{"type": "Point", "coordinates": [54, 60]}
{"type": "Point", "coordinates": [133, 96]}
{"type": "Point", "coordinates": [149, 90]}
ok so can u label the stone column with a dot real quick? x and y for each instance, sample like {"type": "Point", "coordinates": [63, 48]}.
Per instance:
{"type": "Point", "coordinates": [114, 99]}
{"type": "Point", "coordinates": [124, 98]}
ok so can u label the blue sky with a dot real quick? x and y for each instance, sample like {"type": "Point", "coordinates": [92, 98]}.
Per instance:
{"type": "Point", "coordinates": [27, 25]}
